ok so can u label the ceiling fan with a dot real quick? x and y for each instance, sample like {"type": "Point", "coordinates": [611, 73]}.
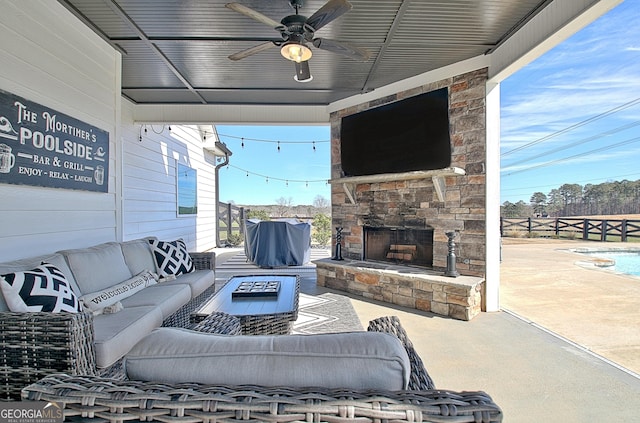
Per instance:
{"type": "Point", "coordinates": [297, 31]}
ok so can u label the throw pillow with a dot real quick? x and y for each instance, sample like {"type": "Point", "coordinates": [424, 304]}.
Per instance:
{"type": "Point", "coordinates": [112, 309]}
{"type": "Point", "coordinates": [44, 288]}
{"type": "Point", "coordinates": [100, 299]}
{"type": "Point", "coordinates": [171, 257]}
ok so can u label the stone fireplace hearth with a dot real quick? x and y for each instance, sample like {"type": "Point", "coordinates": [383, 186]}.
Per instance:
{"type": "Point", "coordinates": [439, 201]}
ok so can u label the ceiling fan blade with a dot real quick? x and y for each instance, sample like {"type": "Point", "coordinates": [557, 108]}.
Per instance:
{"type": "Point", "coordinates": [357, 53]}
{"type": "Point", "coordinates": [251, 51]}
{"type": "Point", "coordinates": [331, 10]}
{"type": "Point", "coordinates": [253, 14]}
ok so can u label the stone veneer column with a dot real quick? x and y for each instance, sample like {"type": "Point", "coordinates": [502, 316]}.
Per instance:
{"type": "Point", "coordinates": [415, 203]}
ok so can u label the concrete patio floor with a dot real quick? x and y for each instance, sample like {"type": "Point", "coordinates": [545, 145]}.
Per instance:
{"type": "Point", "coordinates": [534, 372]}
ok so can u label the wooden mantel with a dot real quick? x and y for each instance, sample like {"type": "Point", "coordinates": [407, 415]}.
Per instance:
{"type": "Point", "coordinates": [437, 176]}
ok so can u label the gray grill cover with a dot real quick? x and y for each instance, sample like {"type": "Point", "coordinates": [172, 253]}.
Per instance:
{"type": "Point", "coordinates": [277, 243]}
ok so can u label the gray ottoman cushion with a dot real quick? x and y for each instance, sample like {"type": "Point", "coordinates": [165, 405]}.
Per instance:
{"type": "Point", "coordinates": [353, 360]}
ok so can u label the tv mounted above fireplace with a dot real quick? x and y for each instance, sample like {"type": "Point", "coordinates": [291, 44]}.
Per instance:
{"type": "Point", "coordinates": [404, 136]}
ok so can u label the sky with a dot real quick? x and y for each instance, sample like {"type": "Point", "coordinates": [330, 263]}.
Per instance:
{"type": "Point", "coordinates": [571, 116]}
{"type": "Point", "coordinates": [290, 162]}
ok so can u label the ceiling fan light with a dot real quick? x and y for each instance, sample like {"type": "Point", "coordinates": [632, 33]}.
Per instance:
{"type": "Point", "coordinates": [296, 52]}
{"type": "Point", "coordinates": [303, 73]}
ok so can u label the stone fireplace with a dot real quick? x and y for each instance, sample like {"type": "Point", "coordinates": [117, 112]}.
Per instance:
{"type": "Point", "coordinates": [431, 202]}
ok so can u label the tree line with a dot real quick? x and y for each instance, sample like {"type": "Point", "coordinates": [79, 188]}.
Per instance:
{"type": "Point", "coordinates": [607, 198]}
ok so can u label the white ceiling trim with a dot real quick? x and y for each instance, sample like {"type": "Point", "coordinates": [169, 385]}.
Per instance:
{"type": "Point", "coordinates": [554, 24]}
{"type": "Point", "coordinates": [221, 114]}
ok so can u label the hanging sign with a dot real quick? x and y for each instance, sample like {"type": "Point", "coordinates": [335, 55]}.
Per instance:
{"type": "Point", "coordinates": [42, 147]}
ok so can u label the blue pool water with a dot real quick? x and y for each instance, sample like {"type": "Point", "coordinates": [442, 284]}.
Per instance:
{"type": "Point", "coordinates": [626, 262]}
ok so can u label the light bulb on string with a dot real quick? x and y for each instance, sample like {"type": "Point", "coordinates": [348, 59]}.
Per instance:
{"type": "Point", "coordinates": [267, 179]}
{"type": "Point", "coordinates": [242, 144]}
{"type": "Point", "coordinates": [278, 146]}
{"type": "Point", "coordinates": [287, 182]}
{"type": "Point", "coordinates": [306, 184]}
{"type": "Point", "coordinates": [314, 146]}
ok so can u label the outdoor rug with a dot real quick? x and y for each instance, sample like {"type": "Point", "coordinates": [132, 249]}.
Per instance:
{"type": "Point", "coordinates": [326, 313]}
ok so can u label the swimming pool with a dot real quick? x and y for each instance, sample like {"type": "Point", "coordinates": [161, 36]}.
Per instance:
{"type": "Point", "coordinates": [626, 261]}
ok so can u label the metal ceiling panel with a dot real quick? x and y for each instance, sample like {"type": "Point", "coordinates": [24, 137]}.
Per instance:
{"type": "Point", "coordinates": [177, 51]}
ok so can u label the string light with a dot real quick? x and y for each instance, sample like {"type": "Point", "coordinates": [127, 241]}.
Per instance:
{"type": "Point", "coordinates": [286, 181]}
{"type": "Point", "coordinates": [146, 131]}
{"type": "Point", "coordinates": [314, 146]}
{"type": "Point", "coordinates": [243, 139]}
{"type": "Point", "coordinates": [278, 146]}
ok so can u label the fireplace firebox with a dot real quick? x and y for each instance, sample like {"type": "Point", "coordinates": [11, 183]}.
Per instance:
{"type": "Point", "coordinates": [407, 246]}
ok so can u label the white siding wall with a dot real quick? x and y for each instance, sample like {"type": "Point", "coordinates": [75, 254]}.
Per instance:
{"type": "Point", "coordinates": [50, 58]}
{"type": "Point", "coordinates": [149, 182]}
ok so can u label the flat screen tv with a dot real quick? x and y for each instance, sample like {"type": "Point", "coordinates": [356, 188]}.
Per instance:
{"type": "Point", "coordinates": [407, 135]}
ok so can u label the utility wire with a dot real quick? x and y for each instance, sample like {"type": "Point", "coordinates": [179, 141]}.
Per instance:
{"type": "Point", "coordinates": [582, 141]}
{"type": "Point", "coordinates": [597, 150]}
{"type": "Point", "coordinates": [572, 127]}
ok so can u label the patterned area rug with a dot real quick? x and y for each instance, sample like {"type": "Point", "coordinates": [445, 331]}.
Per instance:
{"type": "Point", "coordinates": [326, 313]}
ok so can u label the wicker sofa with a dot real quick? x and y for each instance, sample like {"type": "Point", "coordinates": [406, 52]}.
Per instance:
{"type": "Point", "coordinates": [36, 344]}
{"type": "Point", "coordinates": [93, 397]}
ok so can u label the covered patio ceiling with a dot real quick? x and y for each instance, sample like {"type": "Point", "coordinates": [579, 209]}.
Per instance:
{"type": "Point", "coordinates": [176, 52]}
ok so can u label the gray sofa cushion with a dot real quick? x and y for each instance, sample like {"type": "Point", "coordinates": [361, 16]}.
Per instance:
{"type": "Point", "coordinates": [197, 281]}
{"type": "Point", "coordinates": [354, 360]}
{"type": "Point", "coordinates": [116, 334]}
{"type": "Point", "coordinates": [138, 256]}
{"type": "Point", "coordinates": [97, 268]}
{"type": "Point", "coordinates": [29, 263]}
{"type": "Point", "coordinates": [169, 298]}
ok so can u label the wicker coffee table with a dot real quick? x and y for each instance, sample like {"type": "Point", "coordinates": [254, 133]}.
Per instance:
{"type": "Point", "coordinates": [264, 313]}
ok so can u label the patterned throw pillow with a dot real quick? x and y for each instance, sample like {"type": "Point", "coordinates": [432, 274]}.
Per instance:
{"type": "Point", "coordinates": [171, 257]}
{"type": "Point", "coordinates": [97, 301]}
{"type": "Point", "coordinates": [44, 288]}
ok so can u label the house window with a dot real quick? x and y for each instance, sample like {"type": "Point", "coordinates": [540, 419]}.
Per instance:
{"type": "Point", "coordinates": [187, 185]}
